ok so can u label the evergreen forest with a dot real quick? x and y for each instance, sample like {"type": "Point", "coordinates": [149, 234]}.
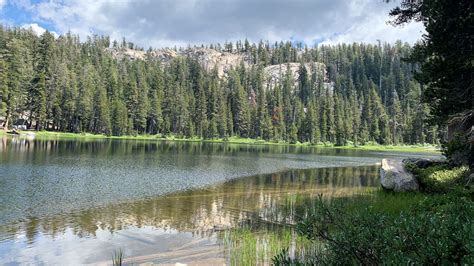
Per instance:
{"type": "Point", "coordinates": [68, 85]}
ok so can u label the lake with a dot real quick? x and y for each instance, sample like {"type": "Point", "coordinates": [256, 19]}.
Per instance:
{"type": "Point", "coordinates": [70, 201]}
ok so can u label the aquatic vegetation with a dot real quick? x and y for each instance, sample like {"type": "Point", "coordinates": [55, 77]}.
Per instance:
{"type": "Point", "coordinates": [247, 247]}
{"type": "Point", "coordinates": [117, 258]}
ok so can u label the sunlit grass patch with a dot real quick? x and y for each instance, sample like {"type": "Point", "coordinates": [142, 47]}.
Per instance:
{"type": "Point", "coordinates": [390, 203]}
{"type": "Point", "coordinates": [443, 178]}
{"type": "Point", "coordinates": [247, 247]}
{"type": "Point", "coordinates": [448, 175]}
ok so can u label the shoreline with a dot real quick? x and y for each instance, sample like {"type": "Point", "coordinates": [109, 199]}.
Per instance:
{"type": "Point", "coordinates": [428, 148]}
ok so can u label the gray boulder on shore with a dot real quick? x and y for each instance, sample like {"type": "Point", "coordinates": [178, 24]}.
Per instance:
{"type": "Point", "coordinates": [393, 176]}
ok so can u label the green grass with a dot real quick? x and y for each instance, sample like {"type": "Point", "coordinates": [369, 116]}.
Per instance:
{"type": "Point", "coordinates": [433, 226]}
{"type": "Point", "coordinates": [237, 140]}
{"type": "Point", "coordinates": [401, 148]}
{"type": "Point", "coordinates": [246, 247]}
{"type": "Point", "coordinates": [390, 203]}
{"type": "Point", "coordinates": [117, 258]}
{"type": "Point", "coordinates": [446, 176]}
{"type": "Point", "coordinates": [444, 179]}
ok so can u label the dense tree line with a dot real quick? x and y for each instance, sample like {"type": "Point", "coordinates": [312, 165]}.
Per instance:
{"type": "Point", "coordinates": [446, 58]}
{"type": "Point", "coordinates": [62, 84]}
{"type": "Point", "coordinates": [445, 53]}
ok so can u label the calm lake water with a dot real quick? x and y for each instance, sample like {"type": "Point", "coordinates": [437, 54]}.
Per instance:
{"type": "Point", "coordinates": [69, 202]}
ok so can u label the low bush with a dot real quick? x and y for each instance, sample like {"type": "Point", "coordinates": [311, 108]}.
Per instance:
{"type": "Point", "coordinates": [444, 178]}
{"type": "Point", "coordinates": [457, 150]}
{"type": "Point", "coordinates": [435, 230]}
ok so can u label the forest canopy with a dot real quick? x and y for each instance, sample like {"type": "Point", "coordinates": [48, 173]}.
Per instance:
{"type": "Point", "coordinates": [367, 93]}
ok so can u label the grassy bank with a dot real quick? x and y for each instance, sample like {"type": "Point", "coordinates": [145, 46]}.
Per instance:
{"type": "Point", "coordinates": [235, 140]}
{"type": "Point", "coordinates": [433, 226]}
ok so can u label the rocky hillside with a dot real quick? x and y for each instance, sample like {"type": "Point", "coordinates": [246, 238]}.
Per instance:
{"type": "Point", "coordinates": [275, 73]}
{"type": "Point", "coordinates": [209, 58]}
{"type": "Point", "coordinates": [224, 61]}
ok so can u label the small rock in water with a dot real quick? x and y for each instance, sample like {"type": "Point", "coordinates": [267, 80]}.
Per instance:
{"type": "Point", "coordinates": [393, 176]}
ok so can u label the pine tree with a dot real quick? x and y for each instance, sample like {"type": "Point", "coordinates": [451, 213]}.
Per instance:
{"type": "Point", "coordinates": [338, 121]}
{"type": "Point", "coordinates": [277, 115]}
{"type": "Point", "coordinates": [221, 117]}
{"type": "Point", "coordinates": [42, 80]}
{"type": "Point", "coordinates": [201, 109]}
{"type": "Point", "coordinates": [40, 102]}
{"type": "Point", "coordinates": [84, 101]}
{"type": "Point", "coordinates": [312, 125]}
{"type": "Point", "coordinates": [354, 109]}
{"type": "Point", "coordinates": [4, 90]}
{"type": "Point", "coordinates": [304, 84]}
{"type": "Point", "coordinates": [119, 118]}
{"type": "Point", "coordinates": [240, 107]}
{"type": "Point", "coordinates": [330, 123]}
{"type": "Point", "coordinates": [262, 126]}
{"type": "Point", "coordinates": [102, 122]}
{"type": "Point", "coordinates": [155, 115]}
{"type": "Point", "coordinates": [14, 67]}
{"type": "Point", "coordinates": [288, 100]}
{"type": "Point", "coordinates": [395, 117]}
{"type": "Point", "coordinates": [293, 137]}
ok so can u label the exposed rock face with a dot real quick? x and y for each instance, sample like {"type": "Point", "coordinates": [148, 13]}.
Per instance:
{"type": "Point", "coordinates": [393, 176]}
{"type": "Point", "coordinates": [208, 58]}
{"type": "Point", "coordinates": [119, 53]}
{"type": "Point", "coordinates": [275, 73]}
{"type": "Point", "coordinates": [163, 55]}
{"type": "Point", "coordinates": [224, 61]}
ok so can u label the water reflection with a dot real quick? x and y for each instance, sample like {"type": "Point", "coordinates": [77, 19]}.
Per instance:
{"type": "Point", "coordinates": [254, 201]}
{"type": "Point", "coordinates": [40, 178]}
{"type": "Point", "coordinates": [39, 150]}
{"type": "Point", "coordinates": [80, 200]}
{"type": "Point", "coordinates": [255, 198]}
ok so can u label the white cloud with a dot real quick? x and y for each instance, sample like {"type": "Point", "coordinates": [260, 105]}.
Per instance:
{"type": "Point", "coordinates": [37, 29]}
{"type": "Point", "coordinates": [2, 3]}
{"type": "Point", "coordinates": [376, 28]}
{"type": "Point", "coordinates": [181, 22]}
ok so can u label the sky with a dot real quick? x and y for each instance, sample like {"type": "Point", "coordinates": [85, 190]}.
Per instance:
{"type": "Point", "coordinates": [160, 23]}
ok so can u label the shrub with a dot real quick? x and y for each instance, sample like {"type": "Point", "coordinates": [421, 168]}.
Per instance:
{"type": "Point", "coordinates": [443, 179]}
{"type": "Point", "coordinates": [437, 230]}
{"type": "Point", "coordinates": [457, 150]}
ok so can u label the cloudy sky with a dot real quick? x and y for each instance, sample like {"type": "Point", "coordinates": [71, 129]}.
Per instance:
{"type": "Point", "coordinates": [161, 23]}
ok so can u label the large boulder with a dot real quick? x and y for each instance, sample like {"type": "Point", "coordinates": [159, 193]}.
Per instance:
{"type": "Point", "coordinates": [393, 176]}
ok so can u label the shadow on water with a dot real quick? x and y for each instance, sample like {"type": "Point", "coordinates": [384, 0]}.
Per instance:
{"type": "Point", "coordinates": [80, 200]}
